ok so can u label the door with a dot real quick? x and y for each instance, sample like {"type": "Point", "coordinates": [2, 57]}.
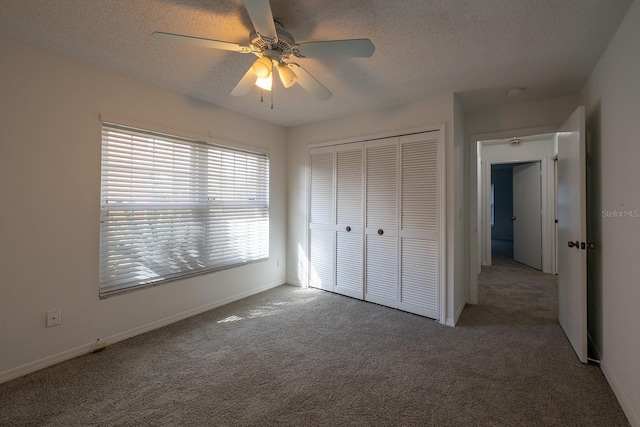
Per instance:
{"type": "Point", "coordinates": [527, 215]}
{"type": "Point", "coordinates": [420, 204]}
{"type": "Point", "coordinates": [321, 219]}
{"type": "Point", "coordinates": [381, 222]}
{"type": "Point", "coordinates": [572, 232]}
{"type": "Point", "coordinates": [348, 228]}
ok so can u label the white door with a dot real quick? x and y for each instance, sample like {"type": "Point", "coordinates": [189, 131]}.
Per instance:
{"type": "Point", "coordinates": [348, 227]}
{"type": "Point", "coordinates": [381, 222]}
{"type": "Point", "coordinates": [420, 224]}
{"type": "Point", "coordinates": [527, 215]}
{"type": "Point", "coordinates": [321, 219]}
{"type": "Point", "coordinates": [572, 232]}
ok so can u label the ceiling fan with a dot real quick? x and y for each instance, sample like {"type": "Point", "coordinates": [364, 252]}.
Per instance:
{"type": "Point", "coordinates": [275, 47]}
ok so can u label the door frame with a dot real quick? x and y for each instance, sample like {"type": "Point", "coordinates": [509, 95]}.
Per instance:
{"type": "Point", "coordinates": [548, 216]}
{"type": "Point", "coordinates": [475, 199]}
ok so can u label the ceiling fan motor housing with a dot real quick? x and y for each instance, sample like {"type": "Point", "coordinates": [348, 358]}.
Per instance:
{"type": "Point", "coordinates": [283, 45]}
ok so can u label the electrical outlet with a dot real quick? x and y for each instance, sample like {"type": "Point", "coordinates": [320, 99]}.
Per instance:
{"type": "Point", "coordinates": [54, 317]}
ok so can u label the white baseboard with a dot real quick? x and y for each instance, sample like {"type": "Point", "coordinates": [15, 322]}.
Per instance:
{"type": "Point", "coordinates": [451, 321]}
{"type": "Point", "coordinates": [45, 362]}
{"type": "Point", "coordinates": [627, 408]}
{"type": "Point", "coordinates": [54, 359]}
{"type": "Point", "coordinates": [294, 282]}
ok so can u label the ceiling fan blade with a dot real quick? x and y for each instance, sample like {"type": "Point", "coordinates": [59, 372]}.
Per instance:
{"type": "Point", "coordinates": [197, 41]}
{"type": "Point", "coordinates": [309, 83]}
{"type": "Point", "coordinates": [261, 17]}
{"type": "Point", "coordinates": [354, 48]}
{"type": "Point", "coordinates": [245, 84]}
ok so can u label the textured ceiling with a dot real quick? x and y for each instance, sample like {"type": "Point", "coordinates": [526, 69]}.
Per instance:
{"type": "Point", "coordinates": [476, 48]}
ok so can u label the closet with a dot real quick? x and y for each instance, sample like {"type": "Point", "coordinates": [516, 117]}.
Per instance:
{"type": "Point", "coordinates": [376, 221]}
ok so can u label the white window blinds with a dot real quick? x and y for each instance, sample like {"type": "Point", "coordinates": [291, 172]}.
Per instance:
{"type": "Point", "coordinates": [172, 207]}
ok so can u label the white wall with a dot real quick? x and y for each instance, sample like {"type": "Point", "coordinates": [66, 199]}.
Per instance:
{"type": "Point", "coordinates": [458, 205]}
{"type": "Point", "coordinates": [430, 112]}
{"type": "Point", "coordinates": [50, 213]}
{"type": "Point", "coordinates": [538, 114]}
{"type": "Point", "coordinates": [612, 98]}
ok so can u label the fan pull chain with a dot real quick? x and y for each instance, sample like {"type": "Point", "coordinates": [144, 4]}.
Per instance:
{"type": "Point", "coordinates": [261, 96]}
{"type": "Point", "coordinates": [272, 98]}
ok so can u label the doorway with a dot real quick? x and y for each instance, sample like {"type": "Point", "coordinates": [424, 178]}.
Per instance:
{"type": "Point", "coordinates": [533, 212]}
{"type": "Point", "coordinates": [568, 147]}
{"type": "Point", "coordinates": [516, 213]}
{"type": "Point", "coordinates": [501, 212]}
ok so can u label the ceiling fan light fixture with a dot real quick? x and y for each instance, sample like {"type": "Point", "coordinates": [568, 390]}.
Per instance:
{"type": "Point", "coordinates": [287, 76]}
{"type": "Point", "coordinates": [262, 67]}
{"type": "Point", "coordinates": [273, 45]}
{"type": "Point", "coordinates": [265, 82]}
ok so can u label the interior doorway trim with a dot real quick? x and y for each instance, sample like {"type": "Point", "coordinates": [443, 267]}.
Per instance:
{"type": "Point", "coordinates": [475, 200]}
{"type": "Point", "coordinates": [546, 206]}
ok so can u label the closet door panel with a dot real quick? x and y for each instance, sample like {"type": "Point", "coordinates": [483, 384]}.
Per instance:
{"type": "Point", "coordinates": [321, 266]}
{"type": "Point", "coordinates": [381, 184]}
{"type": "Point", "coordinates": [348, 227]}
{"type": "Point", "coordinates": [419, 224]}
{"type": "Point", "coordinates": [349, 271]}
{"type": "Point", "coordinates": [381, 217]}
{"type": "Point", "coordinates": [382, 270]}
{"type": "Point", "coordinates": [321, 261]}
{"type": "Point", "coordinates": [419, 274]}
{"type": "Point", "coordinates": [322, 187]}
{"type": "Point", "coordinates": [419, 185]}
{"type": "Point", "coordinates": [349, 186]}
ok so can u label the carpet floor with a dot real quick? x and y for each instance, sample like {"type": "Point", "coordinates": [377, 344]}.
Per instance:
{"type": "Point", "coordinates": [303, 357]}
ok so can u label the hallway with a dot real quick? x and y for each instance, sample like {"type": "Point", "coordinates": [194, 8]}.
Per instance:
{"type": "Point", "coordinates": [501, 251]}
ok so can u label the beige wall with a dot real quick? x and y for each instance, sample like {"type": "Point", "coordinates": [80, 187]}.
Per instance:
{"type": "Point", "coordinates": [612, 98]}
{"type": "Point", "coordinates": [49, 213]}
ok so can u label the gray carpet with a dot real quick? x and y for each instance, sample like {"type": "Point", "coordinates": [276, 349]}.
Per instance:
{"type": "Point", "coordinates": [297, 357]}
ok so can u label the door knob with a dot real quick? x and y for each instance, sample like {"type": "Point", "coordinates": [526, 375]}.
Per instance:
{"type": "Point", "coordinates": [380, 232]}
{"type": "Point", "coordinates": [513, 218]}
{"type": "Point", "coordinates": [348, 228]}
{"type": "Point", "coordinates": [575, 244]}
{"type": "Point", "coordinates": [591, 245]}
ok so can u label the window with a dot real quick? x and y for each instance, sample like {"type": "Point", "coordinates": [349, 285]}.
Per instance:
{"type": "Point", "coordinates": [173, 207]}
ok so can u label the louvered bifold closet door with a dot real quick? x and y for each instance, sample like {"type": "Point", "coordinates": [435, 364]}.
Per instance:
{"type": "Point", "coordinates": [419, 224]}
{"type": "Point", "coordinates": [321, 219]}
{"type": "Point", "coordinates": [381, 222]}
{"type": "Point", "coordinates": [349, 237]}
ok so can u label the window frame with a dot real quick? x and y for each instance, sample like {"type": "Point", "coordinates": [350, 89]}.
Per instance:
{"type": "Point", "coordinates": [241, 187]}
